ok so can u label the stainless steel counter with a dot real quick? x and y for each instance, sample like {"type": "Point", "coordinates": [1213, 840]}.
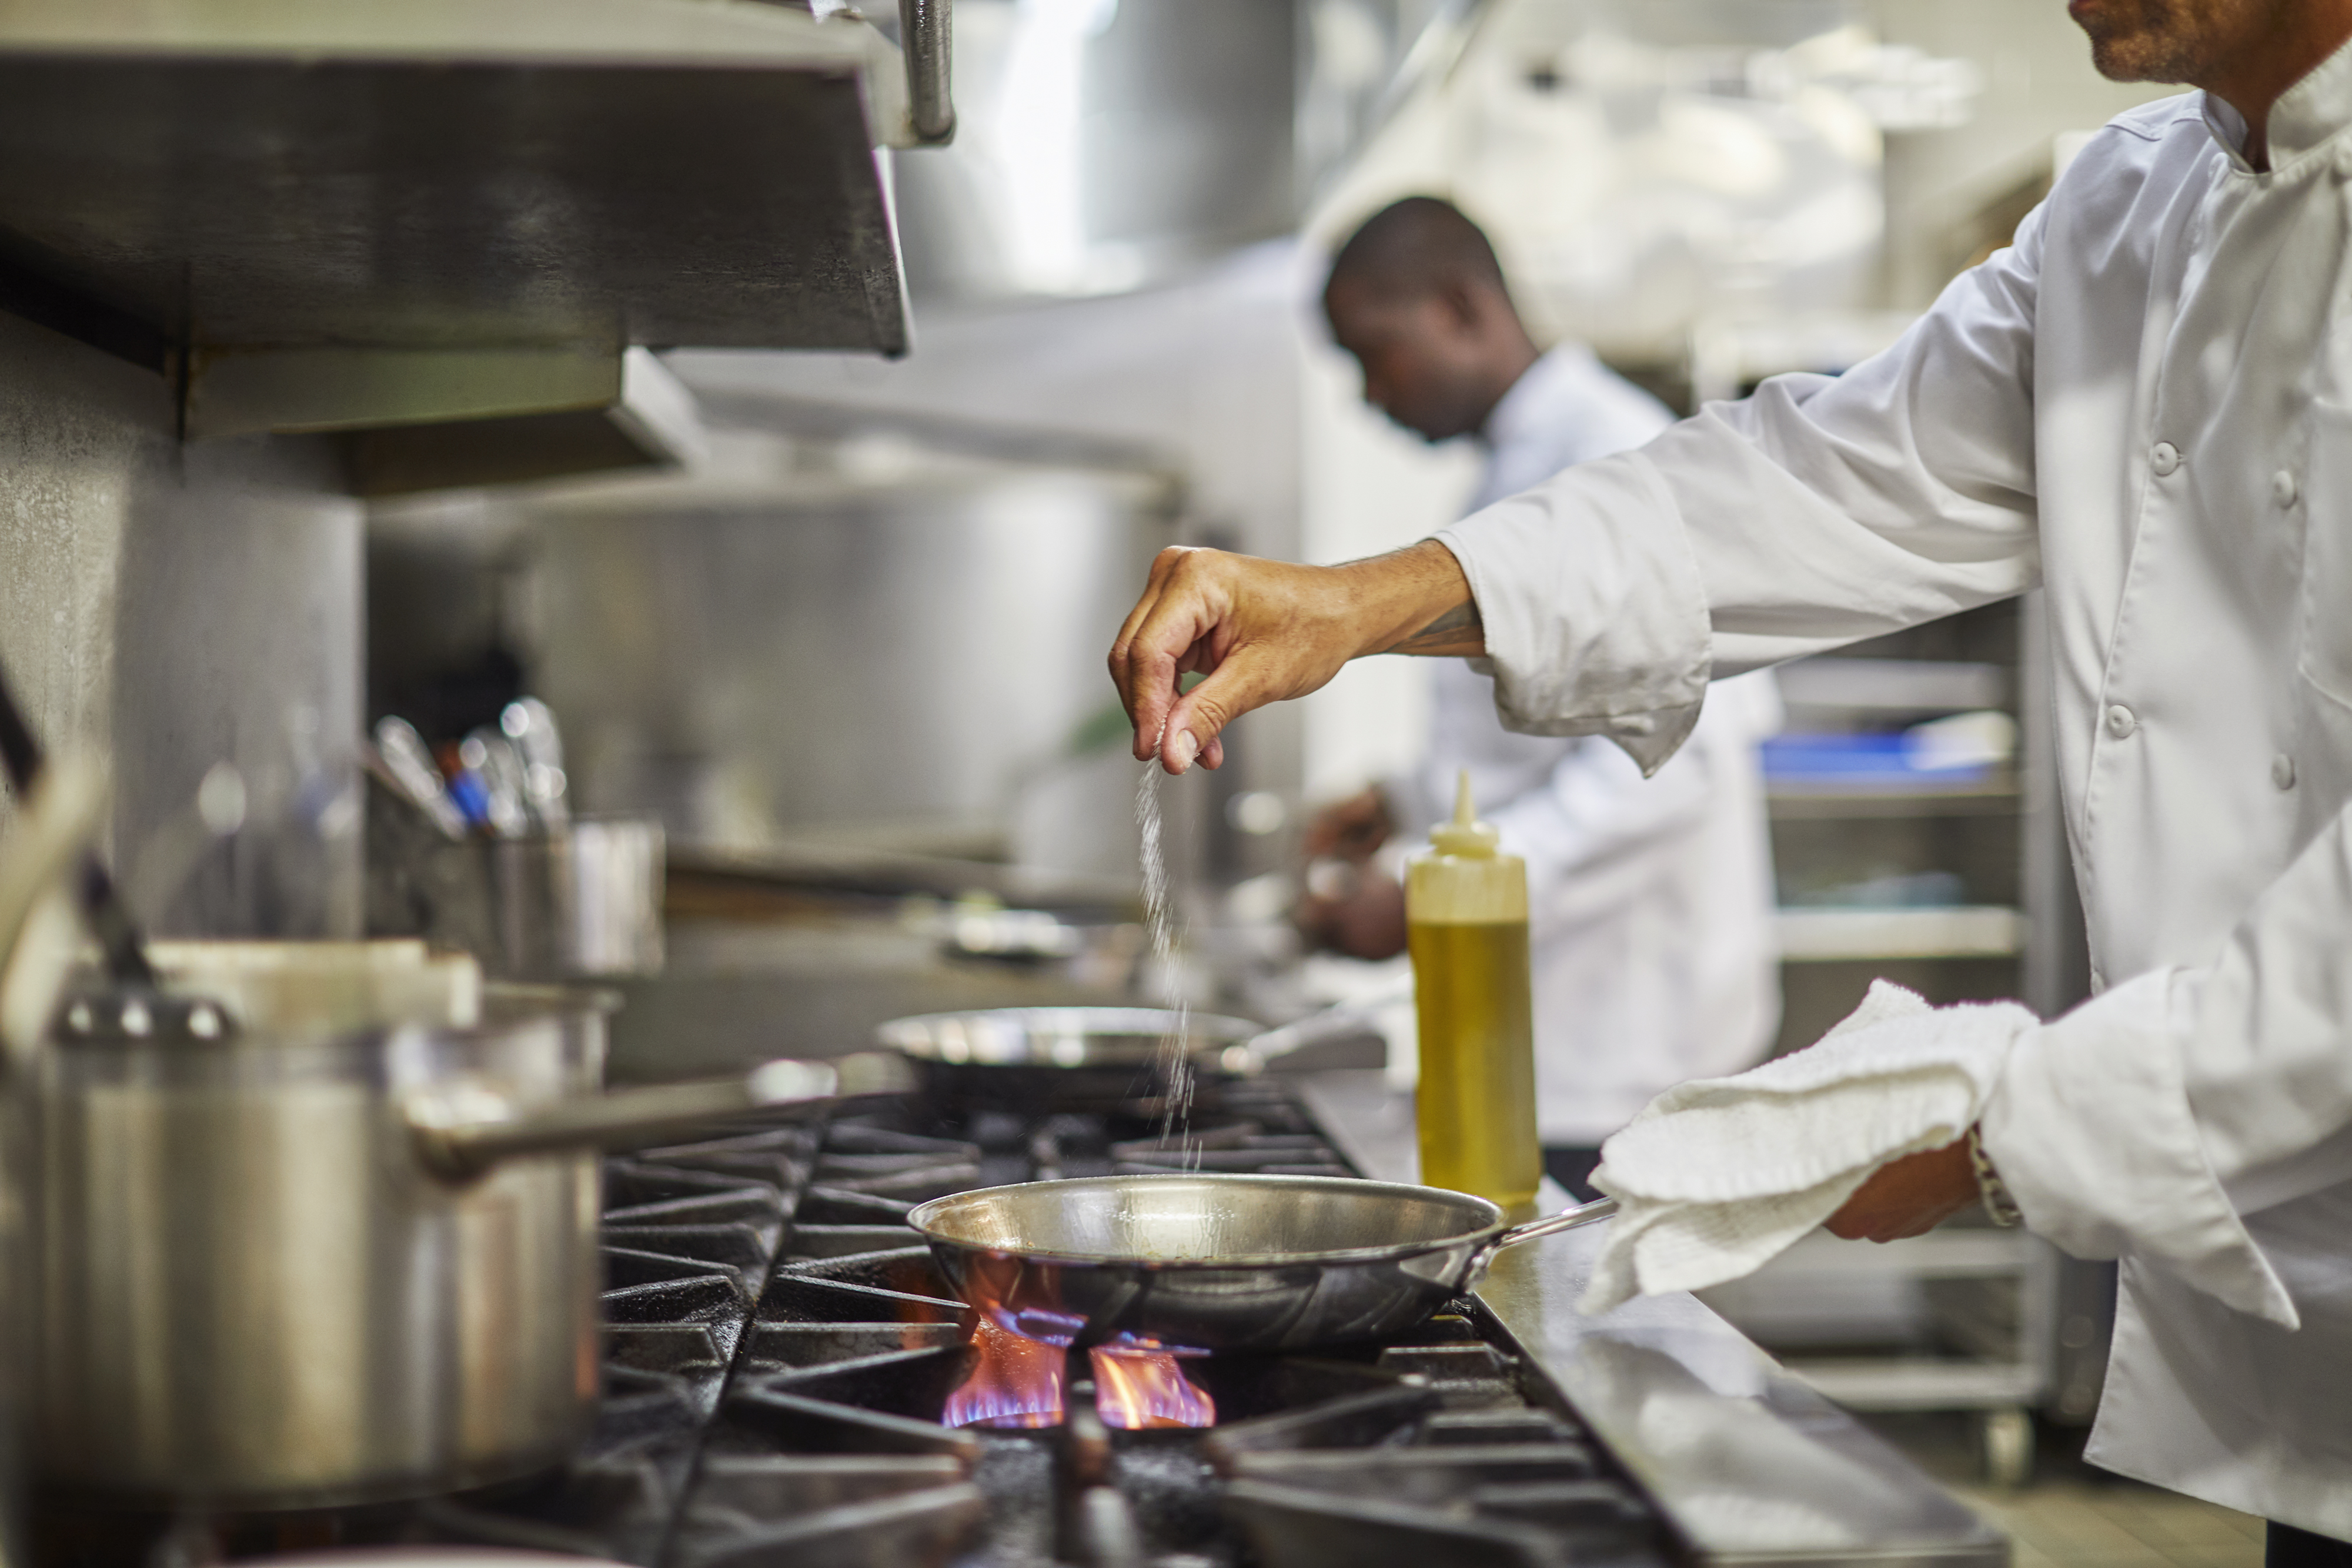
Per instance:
{"type": "Point", "coordinates": [1750, 1465]}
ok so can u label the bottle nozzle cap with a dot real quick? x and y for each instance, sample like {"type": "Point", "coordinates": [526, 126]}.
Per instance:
{"type": "Point", "coordinates": [1465, 834]}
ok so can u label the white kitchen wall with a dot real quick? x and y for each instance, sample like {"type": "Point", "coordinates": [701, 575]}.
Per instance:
{"type": "Point", "coordinates": [1365, 486]}
{"type": "Point", "coordinates": [2037, 83]}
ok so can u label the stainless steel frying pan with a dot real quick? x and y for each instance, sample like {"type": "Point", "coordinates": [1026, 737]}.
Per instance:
{"type": "Point", "coordinates": [1219, 1262]}
{"type": "Point", "coordinates": [1065, 1038]}
{"type": "Point", "coordinates": [1070, 1058]}
{"type": "Point", "coordinates": [1075, 1057]}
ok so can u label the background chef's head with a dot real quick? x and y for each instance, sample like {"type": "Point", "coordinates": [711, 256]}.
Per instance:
{"type": "Point", "coordinates": [1418, 297]}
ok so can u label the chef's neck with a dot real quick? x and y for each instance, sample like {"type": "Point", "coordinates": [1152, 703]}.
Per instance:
{"type": "Point", "coordinates": [2286, 46]}
{"type": "Point", "coordinates": [1511, 368]}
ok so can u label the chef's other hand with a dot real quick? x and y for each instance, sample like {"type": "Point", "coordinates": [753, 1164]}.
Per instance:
{"type": "Point", "coordinates": [1262, 630]}
{"type": "Point", "coordinates": [1351, 830]}
{"type": "Point", "coordinates": [1909, 1197]}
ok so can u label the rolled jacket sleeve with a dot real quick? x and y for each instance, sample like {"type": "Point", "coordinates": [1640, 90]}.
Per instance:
{"type": "Point", "coordinates": [2093, 1131]}
{"type": "Point", "coordinates": [2153, 1118]}
{"type": "Point", "coordinates": [1595, 611]}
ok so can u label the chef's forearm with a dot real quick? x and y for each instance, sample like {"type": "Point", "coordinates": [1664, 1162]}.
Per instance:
{"type": "Point", "coordinates": [1421, 601]}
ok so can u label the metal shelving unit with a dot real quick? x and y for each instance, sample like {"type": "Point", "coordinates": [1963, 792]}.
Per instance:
{"type": "Point", "coordinates": [1854, 935]}
{"type": "Point", "coordinates": [1969, 1317]}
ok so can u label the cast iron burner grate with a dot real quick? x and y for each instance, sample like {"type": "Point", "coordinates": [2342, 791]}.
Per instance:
{"type": "Point", "coordinates": [781, 1351]}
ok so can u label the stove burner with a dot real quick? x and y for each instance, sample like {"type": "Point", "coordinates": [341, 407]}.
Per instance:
{"type": "Point", "coordinates": [790, 1381]}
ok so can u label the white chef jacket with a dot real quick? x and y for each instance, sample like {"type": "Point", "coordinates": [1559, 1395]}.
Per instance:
{"type": "Point", "coordinates": [1649, 901]}
{"type": "Point", "coordinates": [2146, 405]}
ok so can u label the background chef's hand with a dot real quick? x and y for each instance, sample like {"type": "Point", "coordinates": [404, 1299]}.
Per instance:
{"type": "Point", "coordinates": [1909, 1197]}
{"type": "Point", "coordinates": [1364, 919]}
{"type": "Point", "coordinates": [1264, 630]}
{"type": "Point", "coordinates": [1351, 829]}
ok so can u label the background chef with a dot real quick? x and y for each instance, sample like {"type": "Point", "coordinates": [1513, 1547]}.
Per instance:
{"type": "Point", "coordinates": [2145, 404]}
{"type": "Point", "coordinates": [1650, 901]}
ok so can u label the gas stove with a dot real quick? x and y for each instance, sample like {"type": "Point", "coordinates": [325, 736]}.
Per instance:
{"type": "Point", "coordinates": [790, 1381]}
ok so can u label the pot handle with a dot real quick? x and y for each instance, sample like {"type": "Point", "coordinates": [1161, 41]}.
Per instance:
{"type": "Point", "coordinates": [1592, 1213]}
{"type": "Point", "coordinates": [461, 1132]}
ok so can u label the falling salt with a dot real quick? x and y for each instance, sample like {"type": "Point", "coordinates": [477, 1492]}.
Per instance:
{"type": "Point", "coordinates": [1170, 1064]}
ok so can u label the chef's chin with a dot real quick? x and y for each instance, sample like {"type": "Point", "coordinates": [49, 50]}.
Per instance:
{"type": "Point", "coordinates": [2156, 40]}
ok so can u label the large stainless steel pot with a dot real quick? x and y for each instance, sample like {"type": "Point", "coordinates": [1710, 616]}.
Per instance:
{"type": "Point", "coordinates": [1219, 1262]}
{"type": "Point", "coordinates": [278, 1270]}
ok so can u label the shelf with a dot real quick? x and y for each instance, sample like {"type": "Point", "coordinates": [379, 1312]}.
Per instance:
{"type": "Point", "coordinates": [1951, 1252]}
{"type": "Point", "coordinates": [448, 175]}
{"type": "Point", "coordinates": [1835, 935]}
{"type": "Point", "coordinates": [1885, 686]}
{"type": "Point", "coordinates": [1917, 1383]}
{"type": "Point", "coordinates": [1993, 797]}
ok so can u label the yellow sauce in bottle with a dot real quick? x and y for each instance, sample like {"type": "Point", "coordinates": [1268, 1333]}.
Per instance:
{"type": "Point", "coordinates": [1466, 929]}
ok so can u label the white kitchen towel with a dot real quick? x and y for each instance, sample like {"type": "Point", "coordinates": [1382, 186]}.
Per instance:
{"type": "Point", "coordinates": [1719, 1176]}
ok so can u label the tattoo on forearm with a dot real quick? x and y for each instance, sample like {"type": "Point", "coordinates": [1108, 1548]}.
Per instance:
{"type": "Point", "coordinates": [1459, 628]}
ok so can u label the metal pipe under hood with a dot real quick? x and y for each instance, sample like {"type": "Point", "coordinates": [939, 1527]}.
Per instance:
{"type": "Point", "coordinates": [927, 34]}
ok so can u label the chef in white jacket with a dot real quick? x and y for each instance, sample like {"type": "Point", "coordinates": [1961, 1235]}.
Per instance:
{"type": "Point", "coordinates": [1650, 900]}
{"type": "Point", "coordinates": [2144, 405]}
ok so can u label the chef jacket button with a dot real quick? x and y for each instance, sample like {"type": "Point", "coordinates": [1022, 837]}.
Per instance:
{"type": "Point", "coordinates": [2283, 487]}
{"type": "Point", "coordinates": [2121, 722]}
{"type": "Point", "coordinates": [2165, 458]}
{"type": "Point", "coordinates": [2283, 771]}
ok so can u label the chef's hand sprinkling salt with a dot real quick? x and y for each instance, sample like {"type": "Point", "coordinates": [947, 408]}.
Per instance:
{"type": "Point", "coordinates": [1264, 631]}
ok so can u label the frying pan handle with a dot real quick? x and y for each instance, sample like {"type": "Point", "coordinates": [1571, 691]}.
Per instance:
{"type": "Point", "coordinates": [458, 1134]}
{"type": "Point", "coordinates": [1592, 1213]}
{"type": "Point", "coordinates": [1358, 1016]}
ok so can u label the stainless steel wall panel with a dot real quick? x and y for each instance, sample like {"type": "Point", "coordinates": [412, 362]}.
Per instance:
{"type": "Point", "coordinates": [172, 608]}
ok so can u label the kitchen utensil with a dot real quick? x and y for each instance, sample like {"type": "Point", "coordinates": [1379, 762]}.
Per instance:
{"type": "Point", "coordinates": [619, 880]}
{"type": "Point", "coordinates": [1113, 1044]}
{"type": "Point", "coordinates": [530, 725]}
{"type": "Point", "coordinates": [582, 901]}
{"type": "Point", "coordinates": [286, 1268]}
{"type": "Point", "coordinates": [1219, 1262]}
{"type": "Point", "coordinates": [110, 923]}
{"type": "Point", "coordinates": [1355, 1019]}
{"type": "Point", "coordinates": [585, 900]}
{"type": "Point", "coordinates": [1016, 1057]}
{"type": "Point", "coordinates": [1062, 1037]}
{"type": "Point", "coordinates": [40, 936]}
{"type": "Point", "coordinates": [493, 757]}
{"type": "Point", "coordinates": [410, 763]}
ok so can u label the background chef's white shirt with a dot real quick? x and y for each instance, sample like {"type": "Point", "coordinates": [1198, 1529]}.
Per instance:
{"type": "Point", "coordinates": [2146, 405]}
{"type": "Point", "coordinates": [1650, 901]}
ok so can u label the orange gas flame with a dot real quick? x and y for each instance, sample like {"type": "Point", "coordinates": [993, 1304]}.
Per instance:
{"type": "Point", "coordinates": [1020, 1333]}
{"type": "Point", "coordinates": [1014, 1382]}
{"type": "Point", "coordinates": [1141, 1385]}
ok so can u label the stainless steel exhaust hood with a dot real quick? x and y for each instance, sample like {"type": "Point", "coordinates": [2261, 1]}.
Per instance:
{"type": "Point", "coordinates": [209, 180]}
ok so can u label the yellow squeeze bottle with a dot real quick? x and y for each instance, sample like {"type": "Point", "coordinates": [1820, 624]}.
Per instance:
{"type": "Point", "coordinates": [1466, 927]}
